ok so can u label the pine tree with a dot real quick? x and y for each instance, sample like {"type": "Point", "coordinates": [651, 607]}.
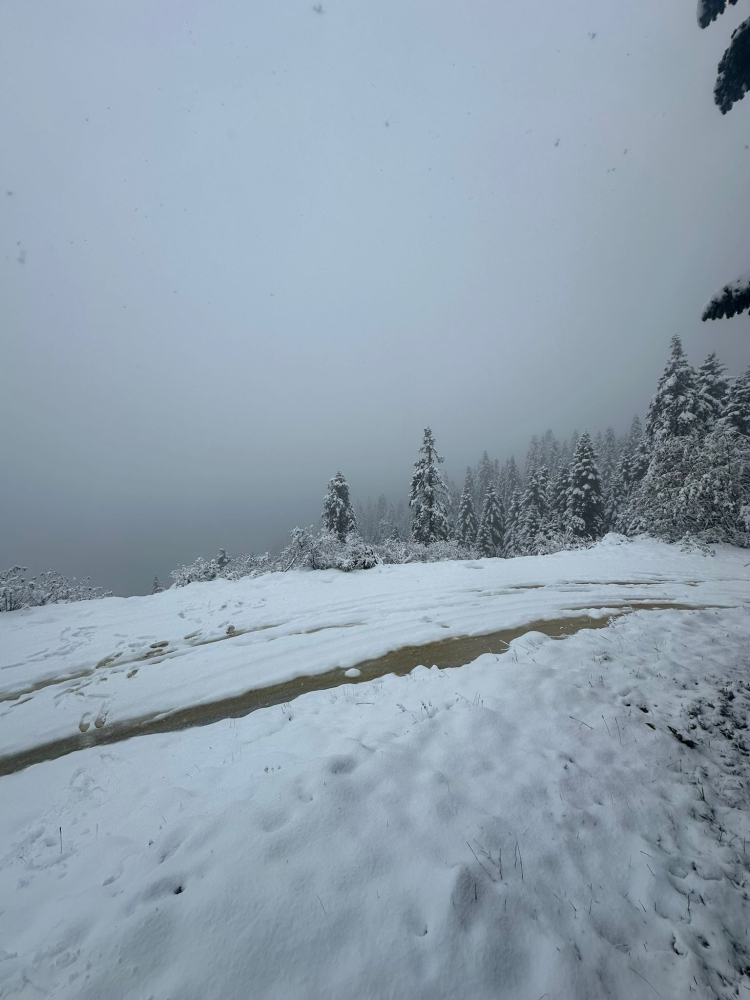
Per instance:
{"type": "Point", "coordinates": [737, 408]}
{"type": "Point", "coordinates": [453, 507]}
{"type": "Point", "coordinates": [391, 529]}
{"type": "Point", "coordinates": [338, 514]}
{"type": "Point", "coordinates": [533, 458]}
{"type": "Point", "coordinates": [673, 411]}
{"type": "Point", "coordinates": [636, 450]}
{"type": "Point", "coordinates": [156, 587]}
{"type": "Point", "coordinates": [428, 495]}
{"type": "Point", "coordinates": [657, 505]}
{"type": "Point", "coordinates": [585, 508]}
{"type": "Point", "coordinates": [484, 478]}
{"type": "Point", "coordinates": [467, 518]}
{"type": "Point", "coordinates": [492, 524]}
{"type": "Point", "coordinates": [609, 456]}
{"type": "Point", "coordinates": [511, 481]}
{"type": "Point", "coordinates": [534, 515]}
{"type": "Point", "coordinates": [380, 519]}
{"type": "Point", "coordinates": [635, 435]}
{"type": "Point", "coordinates": [712, 389]}
{"type": "Point", "coordinates": [558, 498]}
{"type": "Point", "coordinates": [222, 559]}
{"type": "Point", "coordinates": [512, 542]}
{"type": "Point", "coordinates": [716, 487]}
{"type": "Point", "coordinates": [550, 452]}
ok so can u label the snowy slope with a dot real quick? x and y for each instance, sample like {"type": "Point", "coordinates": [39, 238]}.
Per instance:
{"type": "Point", "coordinates": [525, 825]}
{"type": "Point", "coordinates": [68, 668]}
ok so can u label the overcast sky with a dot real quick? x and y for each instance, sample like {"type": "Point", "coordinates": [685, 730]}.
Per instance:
{"type": "Point", "coordinates": [245, 244]}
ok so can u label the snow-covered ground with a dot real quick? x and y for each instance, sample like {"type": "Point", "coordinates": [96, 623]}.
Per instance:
{"type": "Point", "coordinates": [566, 820]}
{"type": "Point", "coordinates": [65, 669]}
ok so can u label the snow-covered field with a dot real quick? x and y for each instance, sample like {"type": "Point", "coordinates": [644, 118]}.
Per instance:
{"type": "Point", "coordinates": [567, 820]}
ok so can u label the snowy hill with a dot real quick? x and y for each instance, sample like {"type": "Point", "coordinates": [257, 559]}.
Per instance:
{"type": "Point", "coordinates": [562, 816]}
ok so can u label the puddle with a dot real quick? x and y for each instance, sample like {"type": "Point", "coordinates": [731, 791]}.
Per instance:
{"type": "Point", "coordinates": [445, 654]}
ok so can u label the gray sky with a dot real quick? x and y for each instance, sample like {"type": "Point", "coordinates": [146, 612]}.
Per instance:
{"type": "Point", "coordinates": [245, 244]}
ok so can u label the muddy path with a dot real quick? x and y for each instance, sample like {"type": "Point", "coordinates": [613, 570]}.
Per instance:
{"type": "Point", "coordinates": [445, 654]}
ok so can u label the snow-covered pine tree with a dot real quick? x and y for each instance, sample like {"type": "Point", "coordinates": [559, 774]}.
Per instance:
{"type": "Point", "coordinates": [428, 495]}
{"type": "Point", "coordinates": [512, 545]}
{"type": "Point", "coordinates": [453, 506]}
{"type": "Point", "coordinates": [467, 518]}
{"type": "Point", "coordinates": [484, 478]}
{"type": "Point", "coordinates": [635, 447]}
{"type": "Point", "coordinates": [737, 408]}
{"type": "Point", "coordinates": [673, 411]}
{"type": "Point", "coordinates": [558, 498]}
{"type": "Point", "coordinates": [533, 458]}
{"type": "Point", "coordinates": [609, 456]}
{"type": "Point", "coordinates": [534, 515]}
{"type": "Point", "coordinates": [550, 449]}
{"type": "Point", "coordinates": [156, 587]}
{"type": "Point", "coordinates": [379, 518]}
{"type": "Point", "coordinates": [470, 482]}
{"type": "Point", "coordinates": [714, 497]}
{"type": "Point", "coordinates": [635, 435]}
{"type": "Point", "coordinates": [608, 464]}
{"type": "Point", "coordinates": [338, 514]}
{"type": "Point", "coordinates": [712, 388]}
{"type": "Point", "coordinates": [585, 507]}
{"type": "Point", "coordinates": [511, 481]}
{"type": "Point", "coordinates": [492, 524]}
{"type": "Point", "coordinates": [222, 559]}
{"type": "Point", "coordinates": [657, 503]}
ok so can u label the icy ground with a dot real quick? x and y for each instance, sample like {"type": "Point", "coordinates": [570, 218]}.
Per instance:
{"type": "Point", "coordinates": [566, 820]}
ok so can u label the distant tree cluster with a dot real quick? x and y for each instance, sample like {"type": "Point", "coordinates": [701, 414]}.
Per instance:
{"type": "Point", "coordinates": [16, 591]}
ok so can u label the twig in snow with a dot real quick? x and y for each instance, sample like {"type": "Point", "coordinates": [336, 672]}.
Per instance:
{"type": "Point", "coordinates": [60, 840]}
{"type": "Point", "coordinates": [605, 723]}
{"type": "Point", "coordinates": [321, 903]}
{"type": "Point", "coordinates": [582, 723]}
{"type": "Point", "coordinates": [479, 862]}
{"type": "Point", "coordinates": [644, 980]}
{"type": "Point", "coordinates": [618, 730]}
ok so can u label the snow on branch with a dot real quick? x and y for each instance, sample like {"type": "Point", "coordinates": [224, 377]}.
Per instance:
{"type": "Point", "coordinates": [733, 80]}
{"type": "Point", "coordinates": [733, 299]}
{"type": "Point", "coordinates": [709, 10]}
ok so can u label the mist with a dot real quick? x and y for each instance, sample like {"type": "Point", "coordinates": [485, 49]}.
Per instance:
{"type": "Point", "coordinates": [246, 245]}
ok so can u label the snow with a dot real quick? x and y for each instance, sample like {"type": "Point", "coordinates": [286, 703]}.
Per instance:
{"type": "Point", "coordinates": [527, 824]}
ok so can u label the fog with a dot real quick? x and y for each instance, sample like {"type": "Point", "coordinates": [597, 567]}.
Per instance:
{"type": "Point", "coordinates": [247, 244]}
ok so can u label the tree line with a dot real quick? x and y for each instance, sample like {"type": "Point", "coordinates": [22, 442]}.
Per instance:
{"type": "Point", "coordinates": [683, 475]}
